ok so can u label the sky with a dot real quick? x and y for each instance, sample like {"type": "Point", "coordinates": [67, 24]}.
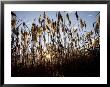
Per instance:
{"type": "Point", "coordinates": [88, 16]}
{"type": "Point", "coordinates": [29, 16]}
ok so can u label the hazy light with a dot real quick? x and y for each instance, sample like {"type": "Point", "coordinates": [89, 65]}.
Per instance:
{"type": "Point", "coordinates": [48, 56]}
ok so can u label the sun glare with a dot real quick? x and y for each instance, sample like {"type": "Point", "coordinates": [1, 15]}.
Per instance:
{"type": "Point", "coordinates": [48, 56]}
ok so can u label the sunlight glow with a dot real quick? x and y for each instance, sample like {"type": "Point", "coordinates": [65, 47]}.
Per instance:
{"type": "Point", "coordinates": [48, 56]}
